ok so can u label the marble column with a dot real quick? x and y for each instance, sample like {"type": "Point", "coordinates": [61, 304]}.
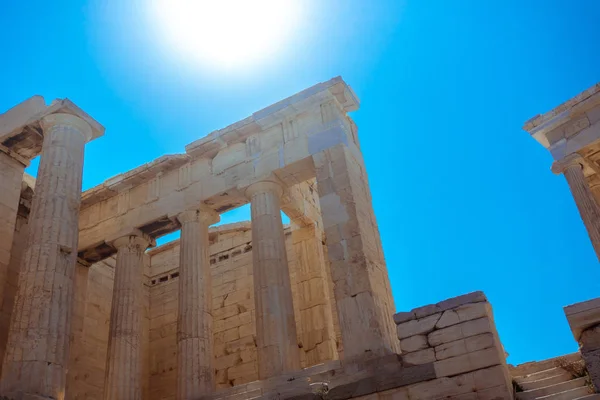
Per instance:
{"type": "Point", "coordinates": [38, 343]}
{"type": "Point", "coordinates": [275, 324]}
{"type": "Point", "coordinates": [572, 168]}
{"type": "Point", "coordinates": [195, 359]}
{"type": "Point", "coordinates": [123, 363]}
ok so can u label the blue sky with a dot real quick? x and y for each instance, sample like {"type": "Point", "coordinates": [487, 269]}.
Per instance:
{"type": "Point", "coordinates": [464, 198]}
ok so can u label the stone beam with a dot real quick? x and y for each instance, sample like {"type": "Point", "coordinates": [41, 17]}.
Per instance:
{"type": "Point", "coordinates": [279, 140]}
{"type": "Point", "coordinates": [21, 133]}
{"type": "Point", "coordinates": [569, 127]}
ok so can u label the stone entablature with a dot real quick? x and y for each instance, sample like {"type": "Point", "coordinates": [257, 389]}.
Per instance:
{"type": "Point", "coordinates": [571, 132]}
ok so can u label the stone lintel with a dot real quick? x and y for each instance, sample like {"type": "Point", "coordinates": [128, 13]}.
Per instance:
{"type": "Point", "coordinates": [20, 129]}
{"type": "Point", "coordinates": [334, 89]}
{"type": "Point", "coordinates": [13, 120]}
{"type": "Point", "coordinates": [425, 311]}
{"type": "Point", "coordinates": [582, 316]}
{"type": "Point", "coordinates": [222, 189]}
{"type": "Point", "coordinates": [540, 125]}
{"type": "Point", "coordinates": [16, 156]}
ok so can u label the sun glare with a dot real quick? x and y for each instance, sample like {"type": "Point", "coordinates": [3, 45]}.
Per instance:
{"type": "Point", "coordinates": [227, 33]}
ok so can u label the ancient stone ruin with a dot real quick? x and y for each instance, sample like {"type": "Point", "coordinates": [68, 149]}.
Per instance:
{"type": "Point", "coordinates": [91, 308]}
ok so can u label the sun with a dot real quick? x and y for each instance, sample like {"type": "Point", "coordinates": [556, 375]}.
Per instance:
{"type": "Point", "coordinates": [227, 33]}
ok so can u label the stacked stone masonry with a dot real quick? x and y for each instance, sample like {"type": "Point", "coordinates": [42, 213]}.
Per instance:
{"type": "Point", "coordinates": [92, 309]}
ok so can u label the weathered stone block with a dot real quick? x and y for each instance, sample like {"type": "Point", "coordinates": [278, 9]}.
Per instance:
{"type": "Point", "coordinates": [463, 346]}
{"type": "Point", "coordinates": [414, 343]}
{"type": "Point", "coordinates": [590, 339]}
{"type": "Point", "coordinates": [474, 297]}
{"type": "Point", "coordinates": [404, 317]}
{"type": "Point", "coordinates": [419, 357]}
{"type": "Point", "coordinates": [442, 388]}
{"type": "Point", "coordinates": [460, 331]}
{"type": "Point", "coordinates": [417, 326]}
{"type": "Point", "coordinates": [468, 362]}
{"type": "Point", "coordinates": [592, 363]}
{"type": "Point", "coordinates": [464, 313]}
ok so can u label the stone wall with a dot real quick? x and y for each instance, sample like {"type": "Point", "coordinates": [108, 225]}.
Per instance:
{"type": "Point", "coordinates": [452, 352]}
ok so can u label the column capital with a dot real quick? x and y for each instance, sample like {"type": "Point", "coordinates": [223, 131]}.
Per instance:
{"type": "Point", "coordinates": [69, 120]}
{"type": "Point", "coordinates": [264, 186]}
{"type": "Point", "coordinates": [202, 214]}
{"type": "Point", "coordinates": [574, 159]}
{"type": "Point", "coordinates": [133, 238]}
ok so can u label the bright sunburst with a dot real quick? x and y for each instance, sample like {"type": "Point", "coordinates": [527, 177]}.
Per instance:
{"type": "Point", "coordinates": [227, 33]}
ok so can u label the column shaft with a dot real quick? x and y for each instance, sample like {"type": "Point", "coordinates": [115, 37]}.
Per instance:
{"type": "Point", "coordinates": [38, 344]}
{"type": "Point", "coordinates": [586, 204]}
{"type": "Point", "coordinates": [123, 364]}
{"type": "Point", "coordinates": [195, 365]}
{"type": "Point", "coordinates": [275, 324]}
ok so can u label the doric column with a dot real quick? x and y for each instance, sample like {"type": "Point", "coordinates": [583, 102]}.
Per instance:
{"type": "Point", "coordinates": [275, 325]}
{"type": "Point", "coordinates": [195, 370]}
{"type": "Point", "coordinates": [123, 364]}
{"type": "Point", "coordinates": [38, 344]}
{"type": "Point", "coordinates": [572, 168]}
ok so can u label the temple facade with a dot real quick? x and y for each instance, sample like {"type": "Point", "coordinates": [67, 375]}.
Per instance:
{"type": "Point", "coordinates": [92, 308]}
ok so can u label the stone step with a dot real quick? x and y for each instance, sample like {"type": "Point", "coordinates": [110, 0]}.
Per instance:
{"type": "Point", "coordinates": [540, 375]}
{"type": "Point", "coordinates": [594, 396]}
{"type": "Point", "coordinates": [568, 394]}
{"type": "Point", "coordinates": [558, 376]}
{"type": "Point", "coordinates": [552, 389]}
{"type": "Point", "coordinates": [538, 366]}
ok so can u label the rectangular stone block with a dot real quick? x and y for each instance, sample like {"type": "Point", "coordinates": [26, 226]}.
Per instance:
{"type": "Point", "coordinates": [442, 388]}
{"type": "Point", "coordinates": [460, 331]}
{"type": "Point", "coordinates": [468, 362]}
{"type": "Point", "coordinates": [419, 357]}
{"type": "Point", "coordinates": [464, 313]}
{"type": "Point", "coordinates": [414, 343]}
{"type": "Point", "coordinates": [582, 316]}
{"type": "Point", "coordinates": [417, 326]}
{"type": "Point", "coordinates": [463, 346]}
{"type": "Point", "coordinates": [448, 304]}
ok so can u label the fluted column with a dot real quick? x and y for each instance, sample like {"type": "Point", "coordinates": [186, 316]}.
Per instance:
{"type": "Point", "coordinates": [38, 343]}
{"type": "Point", "coordinates": [572, 168]}
{"type": "Point", "coordinates": [195, 366]}
{"type": "Point", "coordinates": [123, 364]}
{"type": "Point", "coordinates": [275, 324]}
